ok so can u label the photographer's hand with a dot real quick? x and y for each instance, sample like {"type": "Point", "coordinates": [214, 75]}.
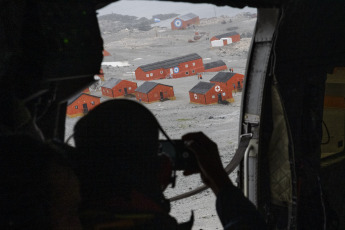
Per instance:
{"type": "Point", "coordinates": [207, 155]}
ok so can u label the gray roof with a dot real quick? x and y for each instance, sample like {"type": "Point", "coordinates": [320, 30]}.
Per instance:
{"type": "Point", "coordinates": [202, 87]}
{"type": "Point", "coordinates": [214, 64]}
{"type": "Point", "coordinates": [75, 97]}
{"type": "Point", "coordinates": [226, 35]}
{"type": "Point", "coordinates": [187, 17]}
{"type": "Point", "coordinates": [222, 76]}
{"type": "Point", "coordinates": [170, 62]}
{"type": "Point", "coordinates": [111, 83]}
{"type": "Point", "coordinates": [147, 86]}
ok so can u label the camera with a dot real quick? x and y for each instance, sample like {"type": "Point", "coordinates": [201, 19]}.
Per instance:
{"type": "Point", "coordinates": [182, 158]}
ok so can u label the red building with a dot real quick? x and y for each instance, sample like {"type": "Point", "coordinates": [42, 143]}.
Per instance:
{"type": "Point", "coordinates": [183, 66]}
{"type": "Point", "coordinates": [209, 93]}
{"type": "Point", "coordinates": [215, 66]}
{"type": "Point", "coordinates": [81, 104]}
{"type": "Point", "coordinates": [184, 21]}
{"type": "Point", "coordinates": [106, 53]}
{"type": "Point", "coordinates": [225, 39]}
{"type": "Point", "coordinates": [231, 81]}
{"type": "Point", "coordinates": [151, 91]}
{"type": "Point", "coordinates": [118, 88]}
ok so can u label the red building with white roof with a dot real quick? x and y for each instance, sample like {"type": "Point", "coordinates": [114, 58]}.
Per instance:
{"type": "Point", "coordinates": [225, 39]}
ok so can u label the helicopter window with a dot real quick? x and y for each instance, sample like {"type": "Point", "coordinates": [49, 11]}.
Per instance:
{"type": "Point", "coordinates": [141, 41]}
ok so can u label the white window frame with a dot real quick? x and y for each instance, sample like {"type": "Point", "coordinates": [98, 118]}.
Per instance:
{"type": "Point", "coordinates": [161, 72]}
{"type": "Point", "coordinates": [151, 74]}
{"type": "Point", "coordinates": [213, 96]}
{"type": "Point", "coordinates": [186, 65]}
{"type": "Point", "coordinates": [193, 63]}
{"type": "Point", "coordinates": [187, 73]}
{"type": "Point", "coordinates": [147, 75]}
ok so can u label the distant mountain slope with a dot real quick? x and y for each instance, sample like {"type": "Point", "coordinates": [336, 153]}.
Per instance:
{"type": "Point", "coordinates": [149, 8]}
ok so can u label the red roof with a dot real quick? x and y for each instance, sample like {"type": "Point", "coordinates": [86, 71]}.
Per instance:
{"type": "Point", "coordinates": [106, 53]}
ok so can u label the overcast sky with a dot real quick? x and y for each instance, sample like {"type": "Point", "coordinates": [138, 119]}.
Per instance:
{"type": "Point", "coordinates": [149, 8]}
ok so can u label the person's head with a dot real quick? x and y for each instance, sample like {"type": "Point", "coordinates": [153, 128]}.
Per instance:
{"type": "Point", "coordinates": [38, 188]}
{"type": "Point", "coordinates": [119, 128]}
{"type": "Point", "coordinates": [117, 149]}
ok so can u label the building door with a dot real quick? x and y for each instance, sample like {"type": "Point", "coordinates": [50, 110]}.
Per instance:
{"type": "Point", "coordinates": [220, 98]}
{"type": "Point", "coordinates": [161, 95]}
{"type": "Point", "coordinates": [85, 109]}
{"type": "Point", "coordinates": [238, 85]}
{"type": "Point", "coordinates": [125, 89]}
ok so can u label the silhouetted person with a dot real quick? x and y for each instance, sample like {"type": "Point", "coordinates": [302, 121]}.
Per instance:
{"type": "Point", "coordinates": [123, 176]}
{"type": "Point", "coordinates": [38, 189]}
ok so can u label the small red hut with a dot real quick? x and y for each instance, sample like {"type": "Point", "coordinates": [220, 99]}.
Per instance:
{"type": "Point", "coordinates": [81, 104]}
{"type": "Point", "coordinates": [215, 66]}
{"type": "Point", "coordinates": [225, 39]}
{"type": "Point", "coordinates": [182, 22]}
{"type": "Point", "coordinates": [183, 66]}
{"type": "Point", "coordinates": [151, 91]}
{"type": "Point", "coordinates": [232, 81]}
{"type": "Point", "coordinates": [118, 88]}
{"type": "Point", "coordinates": [209, 93]}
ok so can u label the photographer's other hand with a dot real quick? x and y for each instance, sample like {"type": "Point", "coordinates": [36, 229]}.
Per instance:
{"type": "Point", "coordinates": [210, 165]}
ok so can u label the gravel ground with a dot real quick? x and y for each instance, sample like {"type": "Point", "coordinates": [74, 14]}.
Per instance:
{"type": "Point", "coordinates": [177, 117]}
